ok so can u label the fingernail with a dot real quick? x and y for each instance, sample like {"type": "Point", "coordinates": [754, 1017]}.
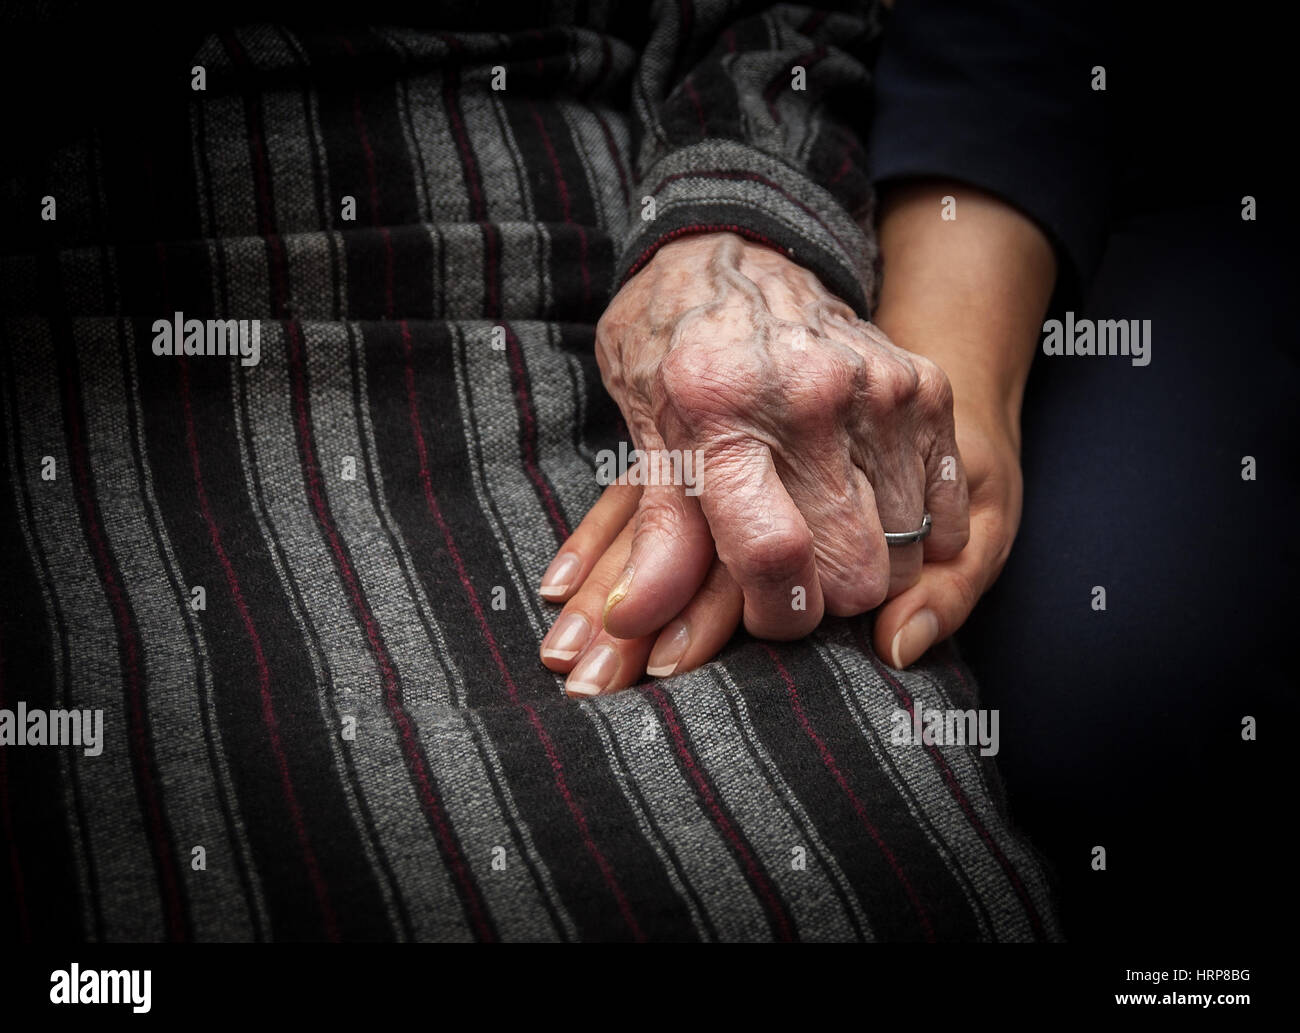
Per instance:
{"type": "Point", "coordinates": [618, 592]}
{"type": "Point", "coordinates": [914, 638]}
{"type": "Point", "coordinates": [668, 651]}
{"type": "Point", "coordinates": [566, 639]}
{"type": "Point", "coordinates": [560, 574]}
{"type": "Point", "coordinates": [595, 674]}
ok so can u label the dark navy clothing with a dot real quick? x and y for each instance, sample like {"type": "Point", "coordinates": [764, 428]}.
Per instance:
{"type": "Point", "coordinates": [1122, 728]}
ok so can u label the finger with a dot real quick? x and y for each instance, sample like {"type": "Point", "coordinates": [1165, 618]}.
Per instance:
{"type": "Point", "coordinates": [589, 541]}
{"type": "Point", "coordinates": [946, 495]}
{"type": "Point", "coordinates": [882, 441]}
{"type": "Point", "coordinates": [697, 634]}
{"type": "Point", "coordinates": [579, 621]}
{"type": "Point", "coordinates": [763, 540]}
{"type": "Point", "coordinates": [939, 603]}
{"type": "Point", "coordinates": [899, 489]}
{"type": "Point", "coordinates": [669, 559]}
{"type": "Point", "coordinates": [839, 506]}
{"type": "Point", "coordinates": [595, 661]}
{"type": "Point", "coordinates": [947, 500]}
{"type": "Point", "coordinates": [609, 665]}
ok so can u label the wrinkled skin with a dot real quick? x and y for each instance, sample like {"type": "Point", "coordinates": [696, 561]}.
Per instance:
{"type": "Point", "coordinates": [817, 435]}
{"type": "Point", "coordinates": [970, 295]}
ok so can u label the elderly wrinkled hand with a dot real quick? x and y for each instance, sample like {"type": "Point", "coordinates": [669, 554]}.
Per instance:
{"type": "Point", "coordinates": [815, 436]}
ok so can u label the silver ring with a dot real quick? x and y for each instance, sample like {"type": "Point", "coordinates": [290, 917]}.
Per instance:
{"type": "Point", "coordinates": [909, 537]}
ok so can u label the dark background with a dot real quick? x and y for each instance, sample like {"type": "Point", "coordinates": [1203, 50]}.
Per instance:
{"type": "Point", "coordinates": [1122, 728]}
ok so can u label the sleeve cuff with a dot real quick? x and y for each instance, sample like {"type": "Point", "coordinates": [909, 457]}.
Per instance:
{"type": "Point", "coordinates": [725, 186]}
{"type": "Point", "coordinates": [1078, 237]}
{"type": "Point", "coordinates": [999, 96]}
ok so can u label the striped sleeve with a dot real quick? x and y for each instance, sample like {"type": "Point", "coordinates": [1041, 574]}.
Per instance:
{"type": "Point", "coordinates": [747, 122]}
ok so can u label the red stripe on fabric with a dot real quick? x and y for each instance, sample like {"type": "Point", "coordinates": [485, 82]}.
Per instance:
{"type": "Point", "coordinates": [430, 802]}
{"type": "Point", "coordinates": [693, 95]}
{"type": "Point", "coordinates": [753, 177]}
{"type": "Point", "coordinates": [813, 22]}
{"type": "Point", "coordinates": [557, 767]}
{"type": "Point", "coordinates": [808, 59]}
{"type": "Point", "coordinates": [129, 644]}
{"type": "Point", "coordinates": [955, 790]}
{"type": "Point", "coordinates": [829, 760]}
{"type": "Point", "coordinates": [7, 823]}
{"type": "Point", "coordinates": [967, 692]}
{"type": "Point", "coordinates": [844, 168]}
{"type": "Point", "coordinates": [541, 38]}
{"type": "Point", "coordinates": [450, 85]}
{"type": "Point", "coordinates": [565, 205]}
{"type": "Point", "coordinates": [372, 178]}
{"type": "Point", "coordinates": [360, 121]}
{"type": "Point", "coordinates": [269, 718]}
{"type": "Point", "coordinates": [528, 433]}
{"type": "Point", "coordinates": [561, 184]}
{"type": "Point", "coordinates": [686, 12]}
{"type": "Point", "coordinates": [469, 166]}
{"type": "Point", "coordinates": [263, 195]}
{"type": "Point", "coordinates": [753, 870]}
{"type": "Point", "coordinates": [416, 764]}
{"type": "Point", "coordinates": [266, 216]}
{"type": "Point", "coordinates": [613, 153]}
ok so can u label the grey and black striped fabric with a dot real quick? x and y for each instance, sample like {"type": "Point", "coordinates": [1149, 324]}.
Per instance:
{"type": "Point", "coordinates": [354, 725]}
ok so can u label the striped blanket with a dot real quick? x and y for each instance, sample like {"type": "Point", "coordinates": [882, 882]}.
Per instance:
{"type": "Point", "coordinates": [301, 591]}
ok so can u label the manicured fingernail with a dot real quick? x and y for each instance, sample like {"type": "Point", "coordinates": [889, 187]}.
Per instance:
{"type": "Point", "coordinates": [618, 592]}
{"type": "Point", "coordinates": [560, 574]}
{"type": "Point", "coordinates": [669, 650]}
{"type": "Point", "coordinates": [914, 638]}
{"type": "Point", "coordinates": [566, 639]}
{"type": "Point", "coordinates": [595, 674]}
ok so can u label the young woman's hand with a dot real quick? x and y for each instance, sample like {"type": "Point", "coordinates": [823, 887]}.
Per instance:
{"type": "Point", "coordinates": [582, 575]}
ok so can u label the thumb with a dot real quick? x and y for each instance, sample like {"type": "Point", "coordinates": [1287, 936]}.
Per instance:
{"type": "Point", "coordinates": [672, 551]}
{"type": "Point", "coordinates": [939, 603]}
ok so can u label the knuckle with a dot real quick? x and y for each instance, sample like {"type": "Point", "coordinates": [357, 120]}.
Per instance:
{"type": "Point", "coordinates": [810, 395]}
{"type": "Point", "coordinates": [933, 390]}
{"type": "Point", "coordinates": [773, 558]}
{"type": "Point", "coordinates": [825, 385]}
{"type": "Point", "coordinates": [682, 369]}
{"type": "Point", "coordinates": [698, 387]}
{"type": "Point", "coordinates": [894, 383]}
{"type": "Point", "coordinates": [615, 322]}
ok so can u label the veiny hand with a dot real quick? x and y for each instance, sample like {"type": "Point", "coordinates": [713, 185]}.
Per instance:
{"type": "Point", "coordinates": [817, 435]}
